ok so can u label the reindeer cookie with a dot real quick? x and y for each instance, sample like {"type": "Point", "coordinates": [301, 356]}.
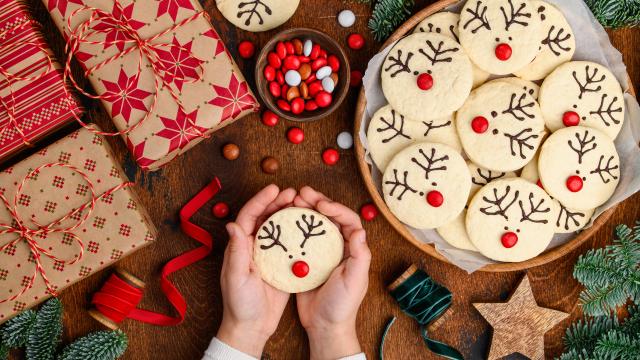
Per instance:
{"type": "Point", "coordinates": [583, 93]}
{"type": "Point", "coordinates": [257, 15]}
{"type": "Point", "coordinates": [500, 126]}
{"type": "Point", "coordinates": [426, 185]}
{"type": "Point", "coordinates": [579, 167]}
{"type": "Point", "coordinates": [389, 132]}
{"type": "Point", "coordinates": [530, 87]}
{"type": "Point", "coordinates": [510, 220]}
{"type": "Point", "coordinates": [426, 76]}
{"type": "Point", "coordinates": [500, 36]}
{"type": "Point", "coordinates": [446, 23]}
{"type": "Point", "coordinates": [296, 249]}
{"type": "Point", "coordinates": [558, 44]}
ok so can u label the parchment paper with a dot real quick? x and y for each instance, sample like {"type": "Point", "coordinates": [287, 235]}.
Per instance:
{"type": "Point", "coordinates": [592, 44]}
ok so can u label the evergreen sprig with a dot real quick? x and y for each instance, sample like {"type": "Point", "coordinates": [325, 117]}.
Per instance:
{"type": "Point", "coordinates": [16, 331]}
{"type": "Point", "coordinates": [616, 13]}
{"type": "Point", "coordinates": [387, 16]}
{"type": "Point", "coordinates": [44, 337]}
{"type": "Point", "coordinates": [100, 345]}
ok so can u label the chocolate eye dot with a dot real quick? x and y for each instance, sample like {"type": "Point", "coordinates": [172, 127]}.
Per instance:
{"type": "Point", "coordinates": [495, 131]}
{"type": "Point", "coordinates": [290, 256]}
{"type": "Point", "coordinates": [434, 184]}
{"type": "Point", "coordinates": [304, 253]}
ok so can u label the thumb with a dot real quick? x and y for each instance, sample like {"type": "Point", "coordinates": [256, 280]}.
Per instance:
{"type": "Point", "coordinates": [239, 250]}
{"type": "Point", "coordinates": [357, 265]}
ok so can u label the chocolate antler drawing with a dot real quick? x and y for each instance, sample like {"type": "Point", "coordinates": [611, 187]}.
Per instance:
{"type": "Point", "coordinates": [498, 205]}
{"type": "Point", "coordinates": [480, 15]}
{"type": "Point", "coordinates": [527, 215]}
{"type": "Point", "coordinates": [271, 233]}
{"type": "Point", "coordinates": [554, 42]}
{"type": "Point", "coordinates": [252, 11]}
{"type": "Point", "coordinates": [398, 65]}
{"type": "Point", "coordinates": [438, 52]}
{"type": "Point", "coordinates": [396, 126]}
{"type": "Point", "coordinates": [489, 177]}
{"type": "Point", "coordinates": [569, 216]}
{"type": "Point", "coordinates": [609, 111]}
{"type": "Point", "coordinates": [521, 108]}
{"type": "Point", "coordinates": [309, 226]}
{"type": "Point", "coordinates": [521, 140]}
{"type": "Point", "coordinates": [402, 184]}
{"type": "Point", "coordinates": [514, 15]}
{"type": "Point", "coordinates": [606, 169]}
{"type": "Point", "coordinates": [589, 81]}
{"type": "Point", "coordinates": [430, 126]}
{"type": "Point", "coordinates": [431, 162]}
{"type": "Point", "coordinates": [583, 145]}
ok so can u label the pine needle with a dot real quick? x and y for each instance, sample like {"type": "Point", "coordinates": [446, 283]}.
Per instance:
{"type": "Point", "coordinates": [616, 13]}
{"type": "Point", "coordinates": [44, 336]}
{"type": "Point", "coordinates": [387, 16]}
{"type": "Point", "coordinates": [14, 333]}
{"type": "Point", "coordinates": [100, 345]}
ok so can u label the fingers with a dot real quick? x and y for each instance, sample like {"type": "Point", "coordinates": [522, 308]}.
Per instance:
{"type": "Point", "coordinates": [285, 198]}
{"type": "Point", "coordinates": [346, 218]}
{"type": "Point", "coordinates": [357, 265]}
{"type": "Point", "coordinates": [309, 198]}
{"type": "Point", "coordinates": [237, 257]}
{"type": "Point", "coordinates": [255, 207]}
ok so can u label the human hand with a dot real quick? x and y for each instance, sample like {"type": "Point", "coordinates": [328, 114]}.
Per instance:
{"type": "Point", "coordinates": [252, 308]}
{"type": "Point", "coordinates": [329, 312]}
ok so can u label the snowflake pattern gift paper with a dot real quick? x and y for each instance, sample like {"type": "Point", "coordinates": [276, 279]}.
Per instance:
{"type": "Point", "coordinates": [159, 68]}
{"type": "Point", "coordinates": [36, 255]}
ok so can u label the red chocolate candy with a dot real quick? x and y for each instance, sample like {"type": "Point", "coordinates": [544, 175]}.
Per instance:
{"type": "Point", "coordinates": [323, 99]}
{"type": "Point", "coordinates": [355, 41]}
{"type": "Point", "coordinates": [503, 52]}
{"type": "Point", "coordinates": [291, 62]}
{"type": "Point", "coordinates": [311, 105]}
{"type": "Point", "coordinates": [435, 198]}
{"type": "Point", "coordinates": [274, 89]}
{"type": "Point", "coordinates": [330, 156]}
{"type": "Point", "coordinates": [323, 53]}
{"type": "Point", "coordinates": [479, 124]}
{"type": "Point", "coordinates": [368, 212]}
{"type": "Point", "coordinates": [356, 78]}
{"type": "Point", "coordinates": [333, 61]}
{"type": "Point", "coordinates": [571, 118]}
{"type": "Point", "coordinates": [300, 269]}
{"type": "Point", "coordinates": [220, 210]}
{"type": "Point", "coordinates": [274, 60]}
{"type": "Point", "coordinates": [280, 77]}
{"type": "Point", "coordinates": [269, 73]}
{"type": "Point", "coordinates": [315, 52]}
{"type": "Point", "coordinates": [314, 88]}
{"type": "Point", "coordinates": [246, 49]}
{"type": "Point", "coordinates": [281, 50]}
{"type": "Point", "coordinates": [318, 63]}
{"type": "Point", "coordinates": [269, 118]}
{"type": "Point", "coordinates": [574, 183]}
{"type": "Point", "coordinates": [509, 239]}
{"type": "Point", "coordinates": [297, 105]}
{"type": "Point", "coordinates": [283, 105]}
{"type": "Point", "coordinates": [291, 50]}
{"type": "Point", "coordinates": [425, 81]}
{"type": "Point", "coordinates": [295, 135]}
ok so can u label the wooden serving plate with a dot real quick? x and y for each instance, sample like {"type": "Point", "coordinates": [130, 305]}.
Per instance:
{"type": "Point", "coordinates": [545, 257]}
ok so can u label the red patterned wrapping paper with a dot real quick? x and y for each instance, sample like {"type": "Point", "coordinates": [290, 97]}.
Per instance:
{"type": "Point", "coordinates": [33, 95]}
{"type": "Point", "coordinates": [51, 232]}
{"type": "Point", "coordinates": [159, 68]}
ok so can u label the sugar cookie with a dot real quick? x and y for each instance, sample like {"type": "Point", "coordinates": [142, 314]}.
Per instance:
{"type": "Point", "coordinates": [257, 15]}
{"type": "Point", "coordinates": [529, 86]}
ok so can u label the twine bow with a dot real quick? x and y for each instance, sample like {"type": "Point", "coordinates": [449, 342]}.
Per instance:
{"type": "Point", "coordinates": [30, 234]}
{"type": "Point", "coordinates": [102, 22]}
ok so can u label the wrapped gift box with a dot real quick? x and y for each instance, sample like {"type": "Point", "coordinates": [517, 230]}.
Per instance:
{"type": "Point", "coordinates": [47, 220]}
{"type": "Point", "coordinates": [34, 100]}
{"type": "Point", "coordinates": [159, 68]}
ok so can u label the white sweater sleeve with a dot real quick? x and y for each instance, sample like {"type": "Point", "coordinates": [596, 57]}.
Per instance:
{"type": "Point", "coordinates": [220, 351]}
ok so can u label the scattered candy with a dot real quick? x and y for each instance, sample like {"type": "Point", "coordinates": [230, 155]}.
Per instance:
{"type": "Point", "coordinates": [479, 124]}
{"type": "Point", "coordinates": [509, 239]}
{"type": "Point", "coordinates": [355, 41]}
{"type": "Point", "coordinates": [328, 85]}
{"type": "Point", "coordinates": [292, 78]}
{"type": "Point", "coordinates": [369, 212]}
{"type": "Point", "coordinates": [571, 118]}
{"type": "Point", "coordinates": [503, 52]}
{"type": "Point", "coordinates": [231, 151]}
{"type": "Point", "coordinates": [346, 18]}
{"type": "Point", "coordinates": [308, 46]}
{"type": "Point", "coordinates": [330, 156]}
{"type": "Point", "coordinates": [295, 135]}
{"type": "Point", "coordinates": [574, 183]}
{"type": "Point", "coordinates": [356, 78]}
{"type": "Point", "coordinates": [246, 49]}
{"type": "Point", "coordinates": [269, 118]}
{"type": "Point", "coordinates": [270, 165]}
{"type": "Point", "coordinates": [323, 72]}
{"type": "Point", "coordinates": [220, 210]}
{"type": "Point", "coordinates": [345, 140]}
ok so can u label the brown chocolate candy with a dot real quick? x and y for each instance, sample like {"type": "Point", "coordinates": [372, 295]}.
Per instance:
{"type": "Point", "coordinates": [297, 46]}
{"type": "Point", "coordinates": [334, 77]}
{"type": "Point", "coordinates": [305, 71]}
{"type": "Point", "coordinates": [231, 151]}
{"type": "Point", "coordinates": [304, 90]}
{"type": "Point", "coordinates": [270, 165]}
{"type": "Point", "coordinates": [293, 93]}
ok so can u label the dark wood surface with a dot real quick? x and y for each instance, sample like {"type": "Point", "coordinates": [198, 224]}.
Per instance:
{"type": "Point", "coordinates": [165, 191]}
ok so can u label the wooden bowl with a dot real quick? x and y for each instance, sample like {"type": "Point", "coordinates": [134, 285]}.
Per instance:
{"type": "Point", "coordinates": [545, 257]}
{"type": "Point", "coordinates": [328, 44]}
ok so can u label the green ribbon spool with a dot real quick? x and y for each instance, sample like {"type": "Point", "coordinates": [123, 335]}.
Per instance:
{"type": "Point", "coordinates": [424, 300]}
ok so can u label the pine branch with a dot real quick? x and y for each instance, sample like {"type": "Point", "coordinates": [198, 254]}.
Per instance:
{"type": "Point", "coordinates": [616, 345]}
{"type": "Point", "coordinates": [583, 334]}
{"type": "Point", "coordinates": [387, 16]}
{"type": "Point", "coordinates": [100, 345]}
{"type": "Point", "coordinates": [4, 352]}
{"type": "Point", "coordinates": [15, 332]}
{"type": "Point", "coordinates": [616, 13]}
{"type": "Point", "coordinates": [45, 333]}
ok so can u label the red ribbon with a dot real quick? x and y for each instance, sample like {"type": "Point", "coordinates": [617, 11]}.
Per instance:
{"type": "Point", "coordinates": [117, 300]}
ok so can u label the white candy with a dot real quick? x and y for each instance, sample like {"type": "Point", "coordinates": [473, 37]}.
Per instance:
{"type": "Point", "coordinates": [292, 78]}
{"type": "Point", "coordinates": [307, 47]}
{"type": "Point", "coordinates": [345, 140]}
{"type": "Point", "coordinates": [323, 72]}
{"type": "Point", "coordinates": [346, 18]}
{"type": "Point", "coordinates": [328, 85]}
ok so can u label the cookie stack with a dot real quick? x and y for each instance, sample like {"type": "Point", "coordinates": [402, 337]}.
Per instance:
{"type": "Point", "coordinates": [496, 166]}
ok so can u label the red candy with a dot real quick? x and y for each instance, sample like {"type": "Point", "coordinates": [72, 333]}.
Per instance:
{"type": "Point", "coordinates": [323, 99]}
{"type": "Point", "coordinates": [311, 78]}
{"type": "Point", "coordinates": [274, 89]}
{"type": "Point", "coordinates": [574, 183]}
{"type": "Point", "coordinates": [304, 59]}
{"type": "Point", "coordinates": [269, 73]}
{"type": "Point", "coordinates": [220, 210]}
{"type": "Point", "coordinates": [311, 105]}
{"type": "Point", "coordinates": [323, 54]}
{"type": "Point", "coordinates": [300, 269]}
{"type": "Point", "coordinates": [368, 212]}
{"type": "Point", "coordinates": [274, 60]}
{"type": "Point", "coordinates": [333, 61]}
{"type": "Point", "coordinates": [291, 62]}
{"type": "Point", "coordinates": [246, 49]}
{"type": "Point", "coordinates": [435, 198]}
{"type": "Point", "coordinates": [314, 88]}
{"type": "Point", "coordinates": [297, 106]}
{"type": "Point", "coordinates": [318, 63]}
{"type": "Point", "coordinates": [283, 105]}
{"type": "Point", "coordinates": [355, 41]}
{"type": "Point", "coordinates": [503, 52]}
{"type": "Point", "coordinates": [291, 50]}
{"type": "Point", "coordinates": [295, 135]}
{"type": "Point", "coordinates": [315, 52]}
{"type": "Point", "coordinates": [269, 118]}
{"type": "Point", "coordinates": [571, 118]}
{"type": "Point", "coordinates": [356, 78]}
{"type": "Point", "coordinates": [509, 239]}
{"type": "Point", "coordinates": [479, 124]}
{"type": "Point", "coordinates": [281, 50]}
{"type": "Point", "coordinates": [330, 156]}
{"type": "Point", "coordinates": [280, 77]}
{"type": "Point", "coordinates": [425, 81]}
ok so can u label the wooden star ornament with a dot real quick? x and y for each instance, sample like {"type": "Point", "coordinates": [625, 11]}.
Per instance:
{"type": "Point", "coordinates": [519, 324]}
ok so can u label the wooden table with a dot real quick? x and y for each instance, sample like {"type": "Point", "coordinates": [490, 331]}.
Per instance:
{"type": "Point", "coordinates": [164, 192]}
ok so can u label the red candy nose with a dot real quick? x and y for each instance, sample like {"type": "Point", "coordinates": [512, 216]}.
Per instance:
{"type": "Point", "coordinates": [425, 81]}
{"type": "Point", "coordinates": [574, 183]}
{"type": "Point", "coordinates": [300, 269]}
{"type": "Point", "coordinates": [571, 118]}
{"type": "Point", "coordinates": [479, 124]}
{"type": "Point", "coordinates": [503, 52]}
{"type": "Point", "coordinates": [435, 198]}
{"type": "Point", "coordinates": [509, 239]}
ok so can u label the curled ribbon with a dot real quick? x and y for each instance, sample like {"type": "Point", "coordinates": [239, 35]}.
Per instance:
{"type": "Point", "coordinates": [100, 22]}
{"type": "Point", "coordinates": [9, 77]}
{"type": "Point", "coordinates": [29, 235]}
